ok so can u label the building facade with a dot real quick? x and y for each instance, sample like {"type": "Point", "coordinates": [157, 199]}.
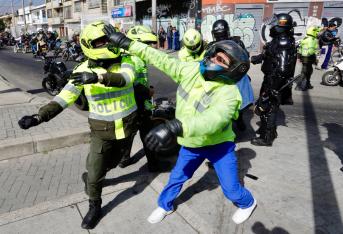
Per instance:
{"type": "Point", "coordinates": [245, 17]}
{"type": "Point", "coordinates": [39, 18]}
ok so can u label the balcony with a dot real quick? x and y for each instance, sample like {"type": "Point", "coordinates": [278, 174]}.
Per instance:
{"type": "Point", "coordinates": [57, 4]}
{"type": "Point", "coordinates": [40, 21]}
{"type": "Point", "coordinates": [55, 20]}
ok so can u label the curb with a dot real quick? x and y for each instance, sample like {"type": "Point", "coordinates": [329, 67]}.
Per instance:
{"type": "Point", "coordinates": [22, 146]}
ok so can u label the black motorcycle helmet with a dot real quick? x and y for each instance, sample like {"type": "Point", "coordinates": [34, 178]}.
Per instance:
{"type": "Point", "coordinates": [220, 30]}
{"type": "Point", "coordinates": [281, 23]}
{"type": "Point", "coordinates": [238, 66]}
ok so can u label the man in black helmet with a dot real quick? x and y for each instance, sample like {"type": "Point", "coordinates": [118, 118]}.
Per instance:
{"type": "Point", "coordinates": [220, 32]}
{"type": "Point", "coordinates": [207, 102]}
{"type": "Point", "coordinates": [278, 60]}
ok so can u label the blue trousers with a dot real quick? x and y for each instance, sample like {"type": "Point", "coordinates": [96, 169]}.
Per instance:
{"type": "Point", "coordinates": [224, 161]}
{"type": "Point", "coordinates": [327, 57]}
{"type": "Point", "coordinates": [170, 42]}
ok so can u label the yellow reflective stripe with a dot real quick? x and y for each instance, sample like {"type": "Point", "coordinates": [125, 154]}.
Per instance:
{"type": "Point", "coordinates": [112, 117]}
{"type": "Point", "coordinates": [109, 95]}
{"type": "Point", "coordinates": [119, 131]}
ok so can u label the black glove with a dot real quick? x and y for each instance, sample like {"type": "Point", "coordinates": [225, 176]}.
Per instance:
{"type": "Point", "coordinates": [119, 40]}
{"type": "Point", "coordinates": [163, 135]}
{"type": "Point", "coordinates": [81, 78]}
{"type": "Point", "coordinates": [256, 59]}
{"type": "Point", "coordinates": [30, 121]}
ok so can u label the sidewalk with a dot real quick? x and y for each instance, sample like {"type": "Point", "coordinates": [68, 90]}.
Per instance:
{"type": "Point", "coordinates": [299, 185]}
{"type": "Point", "coordinates": [57, 133]}
{"type": "Point", "coordinates": [298, 190]}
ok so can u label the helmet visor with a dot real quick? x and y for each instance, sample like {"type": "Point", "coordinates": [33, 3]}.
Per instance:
{"type": "Point", "coordinates": [100, 42]}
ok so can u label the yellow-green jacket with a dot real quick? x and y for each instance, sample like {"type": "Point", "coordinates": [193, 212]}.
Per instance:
{"type": "Point", "coordinates": [205, 108]}
{"type": "Point", "coordinates": [185, 56]}
{"type": "Point", "coordinates": [108, 106]}
{"type": "Point", "coordinates": [308, 46]}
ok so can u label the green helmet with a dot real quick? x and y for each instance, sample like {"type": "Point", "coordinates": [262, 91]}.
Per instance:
{"type": "Point", "coordinates": [192, 40]}
{"type": "Point", "coordinates": [313, 31]}
{"type": "Point", "coordinates": [94, 42]}
{"type": "Point", "coordinates": [142, 33]}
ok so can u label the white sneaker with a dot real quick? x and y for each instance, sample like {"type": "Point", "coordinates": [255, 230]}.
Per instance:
{"type": "Point", "coordinates": [158, 215]}
{"type": "Point", "coordinates": [242, 215]}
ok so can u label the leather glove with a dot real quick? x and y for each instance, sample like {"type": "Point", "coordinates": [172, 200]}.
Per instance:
{"type": "Point", "coordinates": [256, 59]}
{"type": "Point", "coordinates": [163, 135]}
{"type": "Point", "coordinates": [29, 121]}
{"type": "Point", "coordinates": [117, 39]}
{"type": "Point", "coordinates": [81, 78]}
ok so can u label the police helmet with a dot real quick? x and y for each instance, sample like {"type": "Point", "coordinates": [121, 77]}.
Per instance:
{"type": "Point", "coordinates": [281, 23]}
{"type": "Point", "coordinates": [94, 42]}
{"type": "Point", "coordinates": [192, 40]}
{"type": "Point", "coordinates": [143, 34]}
{"type": "Point", "coordinates": [220, 30]}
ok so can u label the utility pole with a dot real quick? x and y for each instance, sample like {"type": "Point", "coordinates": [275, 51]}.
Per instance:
{"type": "Point", "coordinates": [23, 6]}
{"type": "Point", "coordinates": [153, 16]}
{"type": "Point", "coordinates": [13, 21]}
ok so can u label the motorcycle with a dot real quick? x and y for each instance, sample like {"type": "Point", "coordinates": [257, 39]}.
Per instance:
{"type": "Point", "coordinates": [56, 78]}
{"type": "Point", "coordinates": [72, 52]}
{"type": "Point", "coordinates": [334, 77]}
{"type": "Point", "coordinates": [1, 43]}
{"type": "Point", "coordinates": [23, 47]}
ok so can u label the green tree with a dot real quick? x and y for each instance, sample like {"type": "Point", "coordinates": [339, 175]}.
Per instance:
{"type": "Point", "coordinates": [2, 25]}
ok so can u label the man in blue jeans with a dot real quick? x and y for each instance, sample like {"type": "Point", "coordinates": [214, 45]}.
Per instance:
{"type": "Point", "coordinates": [328, 38]}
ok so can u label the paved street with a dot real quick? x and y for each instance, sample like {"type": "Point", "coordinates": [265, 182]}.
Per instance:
{"type": "Point", "coordinates": [298, 189]}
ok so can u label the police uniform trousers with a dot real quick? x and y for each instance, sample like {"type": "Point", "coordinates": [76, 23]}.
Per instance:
{"type": "Point", "coordinates": [224, 160]}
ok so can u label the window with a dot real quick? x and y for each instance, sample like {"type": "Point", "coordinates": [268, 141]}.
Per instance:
{"type": "Point", "coordinates": [93, 4]}
{"type": "Point", "coordinates": [67, 12]}
{"type": "Point", "coordinates": [77, 7]}
{"type": "Point", "coordinates": [49, 13]}
{"type": "Point", "coordinates": [48, 1]}
{"type": "Point", "coordinates": [43, 14]}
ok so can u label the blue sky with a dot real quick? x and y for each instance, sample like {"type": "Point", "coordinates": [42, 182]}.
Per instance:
{"type": "Point", "coordinates": [5, 5]}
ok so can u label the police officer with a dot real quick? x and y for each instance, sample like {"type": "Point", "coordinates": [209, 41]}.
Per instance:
{"type": "Point", "coordinates": [207, 101]}
{"type": "Point", "coordinates": [279, 60]}
{"type": "Point", "coordinates": [193, 46]}
{"type": "Point", "coordinates": [143, 93]}
{"type": "Point", "coordinates": [108, 85]}
{"type": "Point", "coordinates": [308, 51]}
{"type": "Point", "coordinates": [221, 31]}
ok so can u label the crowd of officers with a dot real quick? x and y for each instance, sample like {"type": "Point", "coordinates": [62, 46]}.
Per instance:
{"type": "Point", "coordinates": [213, 91]}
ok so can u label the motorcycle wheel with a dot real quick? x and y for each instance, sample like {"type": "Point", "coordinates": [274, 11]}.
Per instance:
{"type": "Point", "coordinates": [50, 86]}
{"type": "Point", "coordinates": [15, 49]}
{"type": "Point", "coordinates": [65, 56]}
{"type": "Point", "coordinates": [82, 103]}
{"type": "Point", "coordinates": [331, 78]}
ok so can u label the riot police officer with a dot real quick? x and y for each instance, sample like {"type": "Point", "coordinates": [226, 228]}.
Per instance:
{"type": "Point", "coordinates": [278, 60]}
{"type": "Point", "coordinates": [108, 85]}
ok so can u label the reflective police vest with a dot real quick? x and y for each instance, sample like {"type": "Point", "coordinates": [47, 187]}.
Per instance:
{"type": "Point", "coordinates": [185, 56]}
{"type": "Point", "coordinates": [110, 104]}
{"type": "Point", "coordinates": [308, 46]}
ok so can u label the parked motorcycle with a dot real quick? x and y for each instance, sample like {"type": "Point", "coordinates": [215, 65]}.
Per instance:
{"type": "Point", "coordinates": [56, 78]}
{"type": "Point", "coordinates": [334, 76]}
{"type": "Point", "coordinates": [23, 47]}
{"type": "Point", "coordinates": [1, 43]}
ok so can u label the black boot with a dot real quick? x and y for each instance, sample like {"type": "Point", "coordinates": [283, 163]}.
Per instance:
{"type": "Point", "coordinates": [240, 123]}
{"type": "Point", "coordinates": [93, 215]}
{"type": "Point", "coordinates": [265, 139]}
{"type": "Point", "coordinates": [85, 179]}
